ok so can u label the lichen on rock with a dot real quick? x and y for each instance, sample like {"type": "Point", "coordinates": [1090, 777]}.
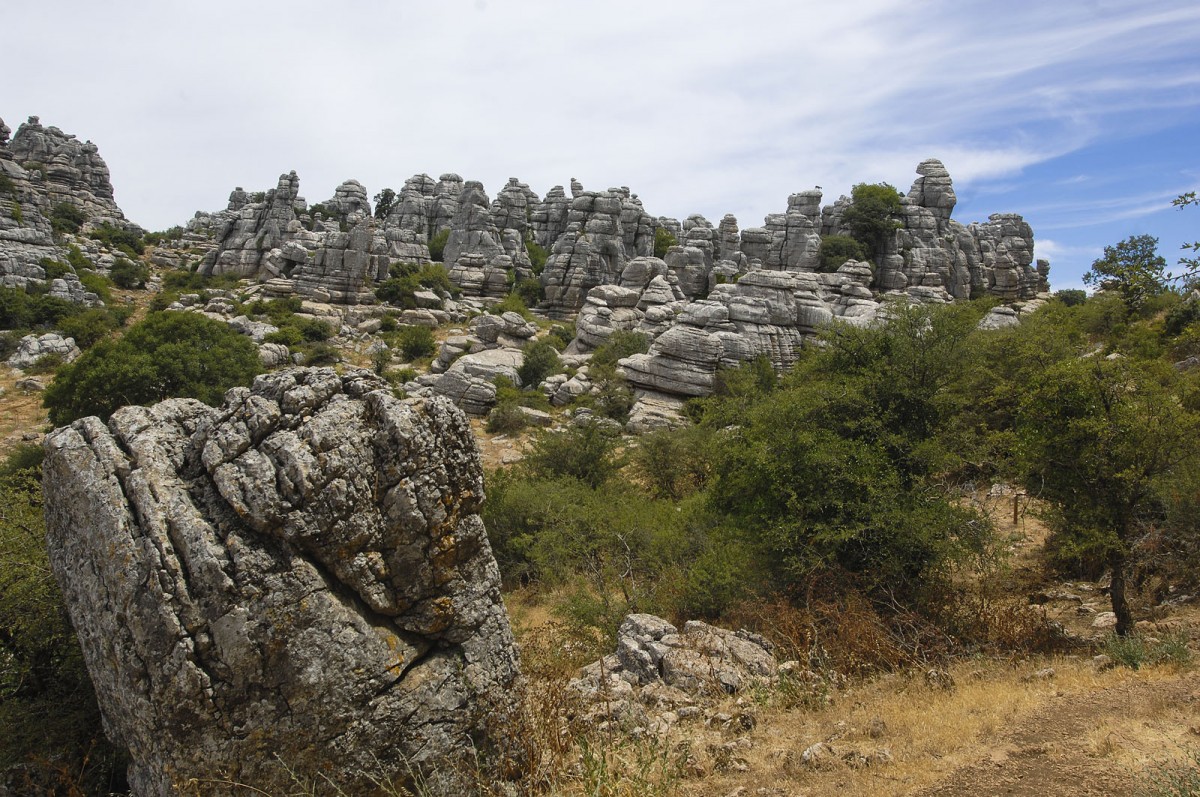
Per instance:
{"type": "Point", "coordinates": [299, 577]}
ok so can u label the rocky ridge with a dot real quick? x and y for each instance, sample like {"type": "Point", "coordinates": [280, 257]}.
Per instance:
{"type": "Point", "coordinates": [300, 575]}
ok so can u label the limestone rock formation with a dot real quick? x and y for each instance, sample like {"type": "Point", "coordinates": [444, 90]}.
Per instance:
{"type": "Point", "coordinates": [70, 171]}
{"type": "Point", "coordinates": [300, 576]}
{"type": "Point", "coordinates": [29, 195]}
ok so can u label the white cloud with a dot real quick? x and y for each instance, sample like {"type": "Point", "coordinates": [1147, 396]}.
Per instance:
{"type": "Point", "coordinates": [698, 106]}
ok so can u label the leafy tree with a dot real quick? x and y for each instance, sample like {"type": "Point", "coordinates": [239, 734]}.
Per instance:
{"type": "Point", "coordinates": [1190, 264]}
{"type": "Point", "coordinates": [384, 201]}
{"type": "Point", "coordinates": [168, 354]}
{"type": "Point", "coordinates": [1132, 268]}
{"type": "Point", "coordinates": [663, 240]}
{"type": "Point", "coordinates": [1071, 296]}
{"type": "Point", "coordinates": [1099, 438]}
{"type": "Point", "coordinates": [837, 249]}
{"type": "Point", "coordinates": [871, 216]}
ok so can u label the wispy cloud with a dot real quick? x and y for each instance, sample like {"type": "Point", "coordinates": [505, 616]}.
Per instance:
{"type": "Point", "coordinates": [697, 105]}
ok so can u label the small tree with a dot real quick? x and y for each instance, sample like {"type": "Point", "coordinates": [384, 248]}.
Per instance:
{"type": "Point", "coordinates": [1132, 268]}
{"type": "Point", "coordinates": [871, 215]}
{"type": "Point", "coordinates": [384, 201]}
{"type": "Point", "coordinates": [1098, 440]}
{"type": "Point", "coordinates": [663, 240]}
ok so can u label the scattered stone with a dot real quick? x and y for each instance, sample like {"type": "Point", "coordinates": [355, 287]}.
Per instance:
{"type": "Point", "coordinates": [939, 679]}
{"type": "Point", "coordinates": [1105, 620]}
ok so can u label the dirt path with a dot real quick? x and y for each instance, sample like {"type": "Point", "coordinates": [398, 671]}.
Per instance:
{"type": "Point", "coordinates": [1083, 744]}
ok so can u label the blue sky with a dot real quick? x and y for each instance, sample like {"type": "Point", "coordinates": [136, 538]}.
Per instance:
{"type": "Point", "coordinates": [1083, 116]}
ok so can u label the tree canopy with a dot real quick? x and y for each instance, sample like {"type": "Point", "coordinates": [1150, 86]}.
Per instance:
{"type": "Point", "coordinates": [871, 215]}
{"type": "Point", "coordinates": [1132, 268]}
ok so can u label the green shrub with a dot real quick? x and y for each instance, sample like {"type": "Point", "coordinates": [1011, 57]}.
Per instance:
{"type": "Point", "coordinates": [129, 274]}
{"type": "Point", "coordinates": [537, 255]}
{"type": "Point", "coordinates": [289, 336]}
{"type": "Point", "coordinates": [166, 355]}
{"type": "Point", "coordinates": [90, 327]}
{"type": "Point", "coordinates": [620, 344]}
{"type": "Point", "coordinates": [78, 259]}
{"type": "Point", "coordinates": [513, 303]}
{"type": "Point", "coordinates": [318, 354]}
{"type": "Point", "coordinates": [541, 360]}
{"type": "Point", "coordinates": [586, 452]}
{"type": "Point", "coordinates": [530, 291]}
{"type": "Point", "coordinates": [66, 219]}
{"type": "Point", "coordinates": [165, 236]}
{"type": "Point", "coordinates": [54, 268]}
{"type": "Point", "coordinates": [837, 249]}
{"type": "Point", "coordinates": [437, 245]}
{"type": "Point", "coordinates": [405, 279]}
{"type": "Point", "coordinates": [506, 418]}
{"type": "Point", "coordinates": [120, 239]}
{"type": "Point", "coordinates": [1071, 297]}
{"type": "Point", "coordinates": [561, 335]}
{"type": "Point", "coordinates": [97, 284]}
{"type": "Point", "coordinates": [414, 342]}
{"type": "Point", "coordinates": [46, 364]}
{"type": "Point", "coordinates": [7, 186]}
{"type": "Point", "coordinates": [674, 463]}
{"type": "Point", "coordinates": [872, 214]}
{"type": "Point", "coordinates": [663, 240]}
{"type": "Point", "coordinates": [18, 213]}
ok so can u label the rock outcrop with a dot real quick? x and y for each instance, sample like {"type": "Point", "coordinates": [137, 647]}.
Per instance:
{"type": "Point", "coordinates": [69, 170]}
{"type": "Point", "coordinates": [300, 576]}
{"type": "Point", "coordinates": [30, 189]}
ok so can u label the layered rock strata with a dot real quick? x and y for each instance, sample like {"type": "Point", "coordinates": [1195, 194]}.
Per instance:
{"type": "Point", "coordinates": [300, 576]}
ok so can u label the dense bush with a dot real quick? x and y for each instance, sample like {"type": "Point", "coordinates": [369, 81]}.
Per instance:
{"type": "Point", "coordinates": [540, 361]}
{"type": "Point", "coordinates": [66, 219]}
{"type": "Point", "coordinates": [414, 342]}
{"type": "Point", "coordinates": [166, 355]}
{"type": "Point", "coordinates": [119, 239]}
{"type": "Point", "coordinates": [437, 245]}
{"type": "Point", "coordinates": [663, 240]}
{"type": "Point", "coordinates": [164, 236]}
{"type": "Point", "coordinates": [537, 255]}
{"type": "Point", "coordinates": [405, 279]}
{"type": "Point", "coordinates": [129, 274]}
{"type": "Point", "coordinates": [837, 249]}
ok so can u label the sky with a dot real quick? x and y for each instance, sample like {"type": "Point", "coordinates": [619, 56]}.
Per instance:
{"type": "Point", "coordinates": [1081, 115]}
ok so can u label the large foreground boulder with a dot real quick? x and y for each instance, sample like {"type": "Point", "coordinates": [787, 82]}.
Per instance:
{"type": "Point", "coordinates": [299, 578]}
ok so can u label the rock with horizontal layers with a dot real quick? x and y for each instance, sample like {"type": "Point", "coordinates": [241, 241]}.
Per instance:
{"type": "Point", "coordinates": [69, 171]}
{"type": "Point", "coordinates": [298, 578]}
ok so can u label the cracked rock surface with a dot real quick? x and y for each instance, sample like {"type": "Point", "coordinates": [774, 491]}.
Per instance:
{"type": "Point", "coordinates": [297, 578]}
